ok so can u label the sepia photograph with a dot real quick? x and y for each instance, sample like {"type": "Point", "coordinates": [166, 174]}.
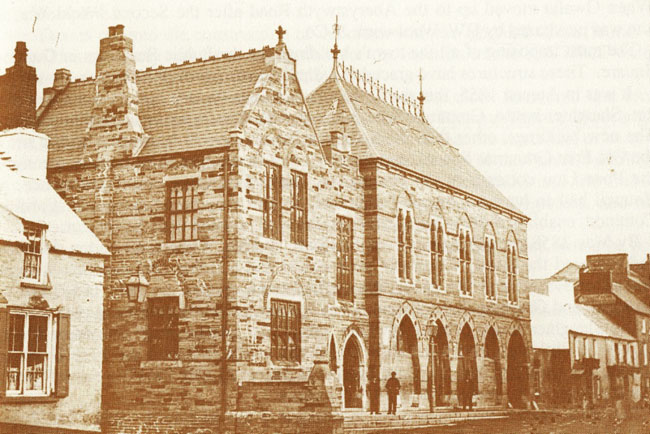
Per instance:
{"type": "Point", "coordinates": [282, 217]}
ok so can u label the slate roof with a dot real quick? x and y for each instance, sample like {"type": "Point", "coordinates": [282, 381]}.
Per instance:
{"type": "Point", "coordinates": [378, 129]}
{"type": "Point", "coordinates": [551, 319]}
{"type": "Point", "coordinates": [34, 200]}
{"type": "Point", "coordinates": [184, 107]}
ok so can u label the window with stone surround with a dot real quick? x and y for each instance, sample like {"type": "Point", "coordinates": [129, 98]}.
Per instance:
{"type": "Point", "coordinates": [163, 313]}
{"type": "Point", "coordinates": [437, 251]}
{"type": "Point", "coordinates": [33, 252]}
{"type": "Point", "coordinates": [37, 352]}
{"type": "Point", "coordinates": [285, 331]}
{"type": "Point", "coordinates": [405, 245]}
{"type": "Point", "coordinates": [490, 269]}
{"type": "Point", "coordinates": [344, 259]}
{"type": "Point", "coordinates": [298, 208]}
{"type": "Point", "coordinates": [465, 261]}
{"type": "Point", "coordinates": [272, 205]}
{"type": "Point", "coordinates": [182, 207]}
{"type": "Point", "coordinates": [513, 284]}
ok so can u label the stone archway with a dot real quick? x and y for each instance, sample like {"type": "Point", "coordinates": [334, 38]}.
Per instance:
{"type": "Point", "coordinates": [492, 368]}
{"type": "Point", "coordinates": [517, 371]}
{"type": "Point", "coordinates": [439, 375]}
{"type": "Point", "coordinates": [407, 360]}
{"type": "Point", "coordinates": [352, 361]}
{"type": "Point", "coordinates": [466, 367]}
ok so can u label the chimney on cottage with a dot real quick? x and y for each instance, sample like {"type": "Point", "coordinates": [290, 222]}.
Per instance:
{"type": "Point", "coordinates": [18, 92]}
{"type": "Point", "coordinates": [61, 78]}
{"type": "Point", "coordinates": [114, 130]}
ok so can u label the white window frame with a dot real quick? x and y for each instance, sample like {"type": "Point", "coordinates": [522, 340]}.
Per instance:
{"type": "Point", "coordinates": [587, 349]}
{"type": "Point", "coordinates": [462, 234]}
{"type": "Point", "coordinates": [50, 365]}
{"type": "Point", "coordinates": [512, 250]}
{"type": "Point", "coordinates": [405, 280]}
{"type": "Point", "coordinates": [645, 354]}
{"type": "Point", "coordinates": [643, 326]}
{"type": "Point", "coordinates": [576, 347]}
{"type": "Point", "coordinates": [42, 272]}
{"type": "Point", "coordinates": [435, 222]}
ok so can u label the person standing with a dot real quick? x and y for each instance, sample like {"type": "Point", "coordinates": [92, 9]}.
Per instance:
{"type": "Point", "coordinates": [392, 387]}
{"type": "Point", "coordinates": [373, 395]}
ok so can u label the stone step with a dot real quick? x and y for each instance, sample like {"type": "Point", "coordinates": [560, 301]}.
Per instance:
{"type": "Point", "coordinates": [414, 419]}
{"type": "Point", "coordinates": [405, 425]}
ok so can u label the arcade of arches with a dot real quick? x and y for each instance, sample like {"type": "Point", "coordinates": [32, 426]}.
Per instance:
{"type": "Point", "coordinates": [486, 364]}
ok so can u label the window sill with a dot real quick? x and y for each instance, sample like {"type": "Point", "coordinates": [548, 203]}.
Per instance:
{"type": "Point", "coordinates": [35, 285]}
{"type": "Point", "coordinates": [466, 295]}
{"type": "Point", "coordinates": [181, 245]}
{"type": "Point", "coordinates": [286, 244]}
{"type": "Point", "coordinates": [149, 364]}
{"type": "Point", "coordinates": [26, 399]}
{"type": "Point", "coordinates": [437, 289]}
{"type": "Point", "coordinates": [491, 300]}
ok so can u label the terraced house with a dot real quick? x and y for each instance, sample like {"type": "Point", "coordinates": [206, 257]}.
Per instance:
{"type": "Point", "coordinates": [271, 253]}
{"type": "Point", "coordinates": [50, 282]}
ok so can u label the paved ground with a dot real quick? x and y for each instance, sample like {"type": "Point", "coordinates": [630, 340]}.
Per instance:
{"type": "Point", "coordinates": [560, 422]}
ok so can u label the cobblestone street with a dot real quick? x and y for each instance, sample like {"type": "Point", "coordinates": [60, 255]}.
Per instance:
{"type": "Point", "coordinates": [573, 422]}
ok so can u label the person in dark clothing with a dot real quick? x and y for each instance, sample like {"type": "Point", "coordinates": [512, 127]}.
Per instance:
{"type": "Point", "coordinates": [467, 388]}
{"type": "Point", "coordinates": [392, 387]}
{"type": "Point", "coordinates": [373, 394]}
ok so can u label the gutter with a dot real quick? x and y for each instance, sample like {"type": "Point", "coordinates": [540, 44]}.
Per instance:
{"type": "Point", "coordinates": [224, 296]}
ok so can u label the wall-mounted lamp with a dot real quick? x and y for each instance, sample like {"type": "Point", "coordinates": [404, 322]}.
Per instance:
{"type": "Point", "coordinates": [136, 287]}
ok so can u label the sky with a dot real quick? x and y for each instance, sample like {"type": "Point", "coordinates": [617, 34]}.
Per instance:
{"type": "Point", "coordinates": [549, 100]}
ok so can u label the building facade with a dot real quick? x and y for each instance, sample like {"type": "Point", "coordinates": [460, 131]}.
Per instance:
{"type": "Point", "coordinates": [51, 295]}
{"type": "Point", "coordinates": [279, 267]}
{"type": "Point", "coordinates": [622, 292]}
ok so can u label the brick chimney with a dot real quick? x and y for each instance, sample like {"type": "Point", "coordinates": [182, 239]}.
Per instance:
{"type": "Point", "coordinates": [18, 92]}
{"type": "Point", "coordinates": [114, 130]}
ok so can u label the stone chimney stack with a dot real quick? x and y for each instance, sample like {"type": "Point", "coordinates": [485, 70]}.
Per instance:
{"type": "Point", "coordinates": [18, 92]}
{"type": "Point", "coordinates": [61, 78]}
{"type": "Point", "coordinates": [115, 130]}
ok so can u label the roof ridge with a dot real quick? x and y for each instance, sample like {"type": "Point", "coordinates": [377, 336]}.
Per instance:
{"type": "Point", "coordinates": [380, 92]}
{"type": "Point", "coordinates": [201, 60]}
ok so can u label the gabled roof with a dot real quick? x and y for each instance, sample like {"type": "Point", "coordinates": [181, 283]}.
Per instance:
{"type": "Point", "coordinates": [184, 107]}
{"type": "Point", "coordinates": [551, 320]}
{"type": "Point", "coordinates": [629, 298]}
{"type": "Point", "coordinates": [378, 129]}
{"type": "Point", "coordinates": [34, 200]}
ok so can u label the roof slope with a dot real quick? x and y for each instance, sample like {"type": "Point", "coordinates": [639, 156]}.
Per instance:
{"type": "Point", "coordinates": [65, 230]}
{"type": "Point", "coordinates": [552, 319]}
{"type": "Point", "coordinates": [381, 130]}
{"type": "Point", "coordinates": [182, 107]}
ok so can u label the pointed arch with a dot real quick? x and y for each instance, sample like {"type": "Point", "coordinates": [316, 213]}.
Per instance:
{"type": "Point", "coordinates": [464, 221]}
{"type": "Point", "coordinates": [405, 201]}
{"type": "Point", "coordinates": [515, 325]}
{"type": "Point", "coordinates": [466, 318]}
{"type": "Point", "coordinates": [489, 231]}
{"type": "Point", "coordinates": [436, 213]}
{"type": "Point", "coordinates": [290, 289]}
{"type": "Point", "coordinates": [290, 154]}
{"type": "Point", "coordinates": [406, 309]}
{"type": "Point", "coordinates": [511, 238]}
{"type": "Point", "coordinates": [272, 134]}
{"type": "Point", "coordinates": [354, 362]}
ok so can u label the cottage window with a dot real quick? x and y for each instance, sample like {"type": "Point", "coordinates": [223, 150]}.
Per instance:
{"type": "Point", "coordinates": [405, 245]}
{"type": "Point", "coordinates": [33, 258]}
{"type": "Point", "coordinates": [643, 326]}
{"type": "Point", "coordinates": [344, 259]}
{"type": "Point", "coordinates": [490, 269]}
{"type": "Point", "coordinates": [587, 348]}
{"type": "Point", "coordinates": [513, 296]}
{"type": "Point", "coordinates": [437, 250]}
{"type": "Point", "coordinates": [182, 207]}
{"type": "Point", "coordinates": [163, 315]}
{"type": "Point", "coordinates": [465, 260]}
{"type": "Point", "coordinates": [645, 354]}
{"type": "Point", "coordinates": [33, 368]}
{"type": "Point", "coordinates": [272, 201]}
{"type": "Point", "coordinates": [298, 208]}
{"type": "Point", "coordinates": [576, 347]}
{"type": "Point", "coordinates": [285, 331]}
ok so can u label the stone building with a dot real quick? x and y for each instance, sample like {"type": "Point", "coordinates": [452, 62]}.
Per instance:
{"type": "Point", "coordinates": [51, 282]}
{"type": "Point", "coordinates": [259, 242]}
{"type": "Point", "coordinates": [446, 253]}
{"type": "Point", "coordinates": [622, 292]}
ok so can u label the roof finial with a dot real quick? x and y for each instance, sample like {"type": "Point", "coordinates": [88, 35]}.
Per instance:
{"type": "Point", "coordinates": [335, 51]}
{"type": "Point", "coordinates": [280, 32]}
{"type": "Point", "coordinates": [421, 97]}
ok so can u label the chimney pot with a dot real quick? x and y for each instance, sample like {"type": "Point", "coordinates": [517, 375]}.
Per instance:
{"type": "Point", "coordinates": [20, 55]}
{"type": "Point", "coordinates": [111, 30]}
{"type": "Point", "coordinates": [61, 78]}
{"type": "Point", "coordinates": [119, 29]}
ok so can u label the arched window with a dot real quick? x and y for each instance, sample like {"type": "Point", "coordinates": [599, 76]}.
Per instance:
{"type": "Point", "coordinates": [436, 248]}
{"type": "Point", "coordinates": [490, 269]}
{"type": "Point", "coordinates": [405, 245]}
{"type": "Point", "coordinates": [513, 295]}
{"type": "Point", "coordinates": [465, 260]}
